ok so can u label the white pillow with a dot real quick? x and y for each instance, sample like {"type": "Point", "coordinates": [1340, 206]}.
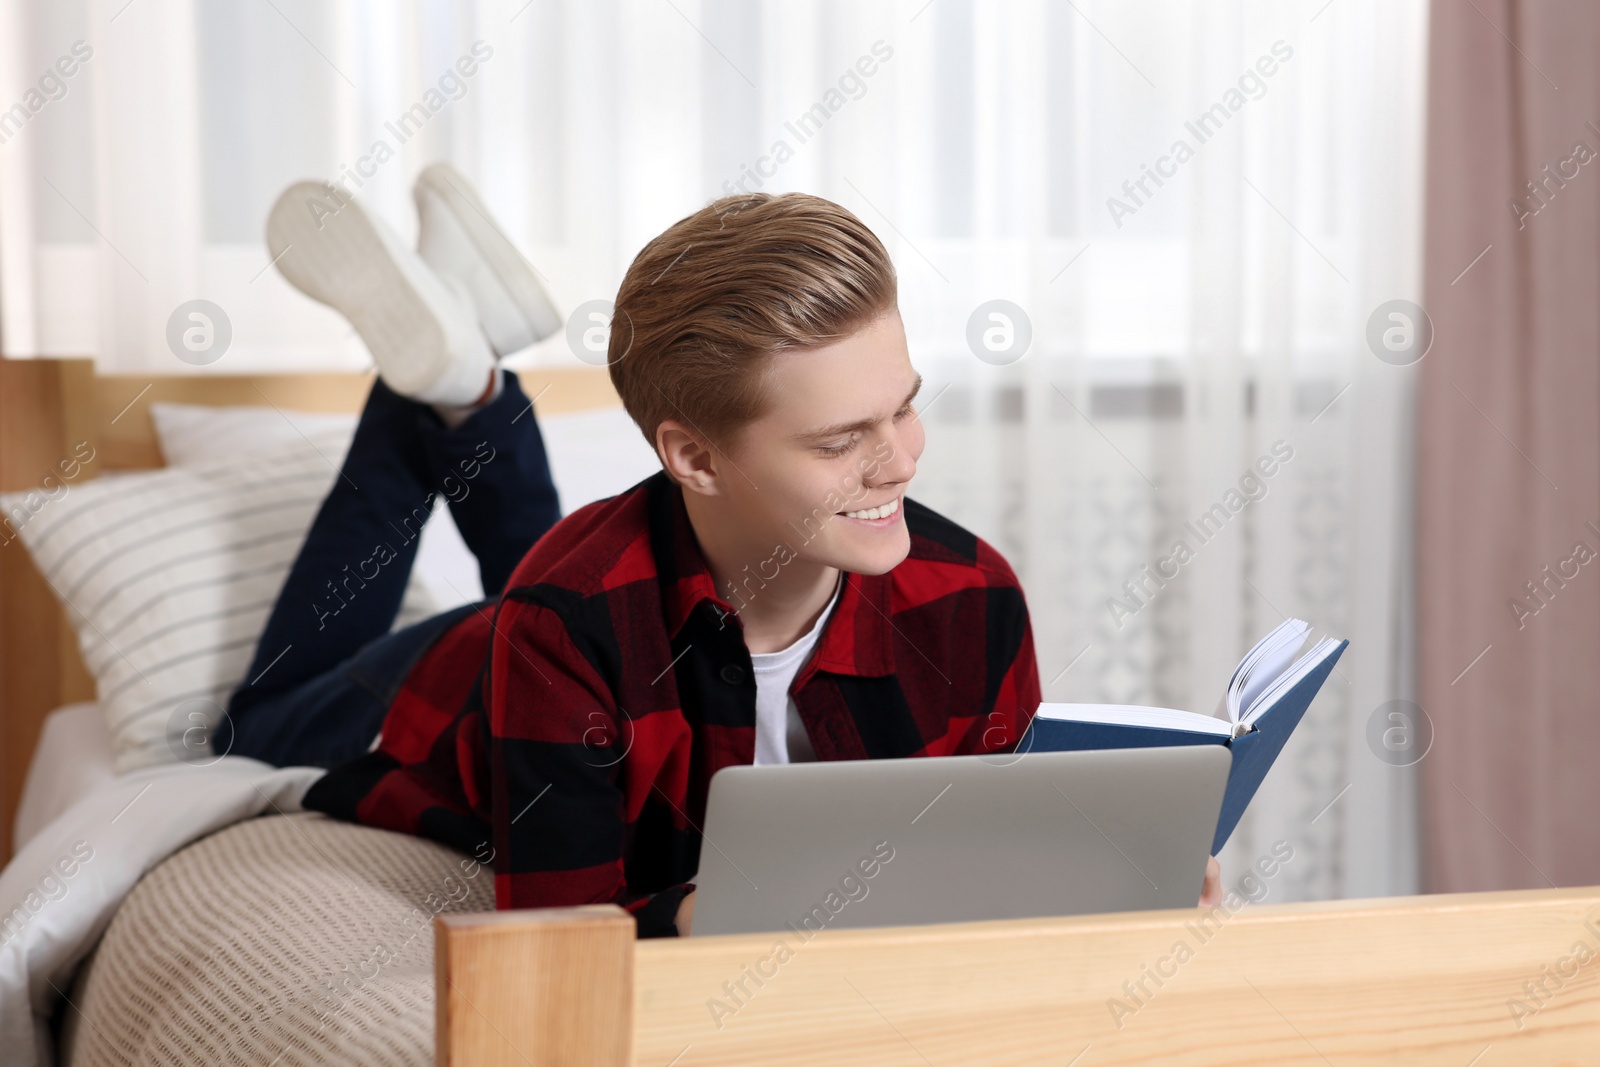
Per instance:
{"type": "Point", "coordinates": [593, 455]}
{"type": "Point", "coordinates": [169, 576]}
{"type": "Point", "coordinates": [191, 434]}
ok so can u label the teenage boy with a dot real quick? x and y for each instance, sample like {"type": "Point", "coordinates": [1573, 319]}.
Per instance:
{"type": "Point", "coordinates": [771, 595]}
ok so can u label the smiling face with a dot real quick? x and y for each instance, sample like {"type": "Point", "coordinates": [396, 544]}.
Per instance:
{"type": "Point", "coordinates": [826, 466]}
{"type": "Point", "coordinates": [818, 480]}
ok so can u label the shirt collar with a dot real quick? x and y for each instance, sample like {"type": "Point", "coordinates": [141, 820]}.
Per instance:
{"type": "Point", "coordinates": [681, 567]}
{"type": "Point", "coordinates": [857, 637]}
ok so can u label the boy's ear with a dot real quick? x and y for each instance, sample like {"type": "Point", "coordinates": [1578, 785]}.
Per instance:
{"type": "Point", "coordinates": [689, 458]}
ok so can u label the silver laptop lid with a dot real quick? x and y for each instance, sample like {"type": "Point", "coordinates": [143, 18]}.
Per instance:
{"type": "Point", "coordinates": [828, 845]}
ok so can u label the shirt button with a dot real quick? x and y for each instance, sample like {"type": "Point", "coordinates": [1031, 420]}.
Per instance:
{"type": "Point", "coordinates": [732, 674]}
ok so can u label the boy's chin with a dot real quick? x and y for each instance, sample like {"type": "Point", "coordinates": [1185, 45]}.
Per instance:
{"type": "Point", "coordinates": [871, 559]}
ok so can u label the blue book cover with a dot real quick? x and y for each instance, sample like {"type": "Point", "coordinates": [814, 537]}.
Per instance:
{"type": "Point", "coordinates": [1255, 744]}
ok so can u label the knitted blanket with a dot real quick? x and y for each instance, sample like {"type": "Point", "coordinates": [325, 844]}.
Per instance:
{"type": "Point", "coordinates": [282, 940]}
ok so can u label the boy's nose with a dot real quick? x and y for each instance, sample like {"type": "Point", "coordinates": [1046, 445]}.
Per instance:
{"type": "Point", "coordinates": [899, 466]}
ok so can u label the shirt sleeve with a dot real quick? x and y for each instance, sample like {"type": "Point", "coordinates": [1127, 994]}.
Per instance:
{"type": "Point", "coordinates": [558, 749]}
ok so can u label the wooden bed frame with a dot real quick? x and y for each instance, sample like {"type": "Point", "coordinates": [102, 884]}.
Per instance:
{"type": "Point", "coordinates": [1450, 980]}
{"type": "Point", "coordinates": [47, 408]}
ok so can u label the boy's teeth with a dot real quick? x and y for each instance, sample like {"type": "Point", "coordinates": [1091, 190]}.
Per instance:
{"type": "Point", "coordinates": [876, 513]}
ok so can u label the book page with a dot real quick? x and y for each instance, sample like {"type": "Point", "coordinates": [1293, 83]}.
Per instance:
{"type": "Point", "coordinates": [1275, 659]}
{"type": "Point", "coordinates": [1288, 679]}
{"type": "Point", "coordinates": [1262, 665]}
{"type": "Point", "coordinates": [1134, 715]}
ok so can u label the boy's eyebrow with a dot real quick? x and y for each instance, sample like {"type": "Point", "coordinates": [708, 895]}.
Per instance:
{"type": "Point", "coordinates": [842, 428]}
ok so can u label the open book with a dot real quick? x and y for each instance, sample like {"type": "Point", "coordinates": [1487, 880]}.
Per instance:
{"type": "Point", "coordinates": [1265, 699]}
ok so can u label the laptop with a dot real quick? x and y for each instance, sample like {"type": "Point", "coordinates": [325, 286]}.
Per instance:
{"type": "Point", "coordinates": [805, 847]}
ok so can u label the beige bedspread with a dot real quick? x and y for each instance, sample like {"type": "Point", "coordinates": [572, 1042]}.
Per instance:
{"type": "Point", "coordinates": [283, 940]}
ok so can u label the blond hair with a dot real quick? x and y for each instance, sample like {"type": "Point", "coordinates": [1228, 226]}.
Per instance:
{"type": "Point", "coordinates": [706, 303]}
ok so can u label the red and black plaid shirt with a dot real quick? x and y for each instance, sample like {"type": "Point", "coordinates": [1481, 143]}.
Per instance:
{"type": "Point", "coordinates": [572, 734]}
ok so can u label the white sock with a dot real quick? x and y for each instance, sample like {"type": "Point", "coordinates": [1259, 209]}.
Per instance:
{"type": "Point", "coordinates": [455, 416]}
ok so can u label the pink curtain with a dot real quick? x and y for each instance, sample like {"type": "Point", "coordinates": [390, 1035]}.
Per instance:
{"type": "Point", "coordinates": [1508, 447]}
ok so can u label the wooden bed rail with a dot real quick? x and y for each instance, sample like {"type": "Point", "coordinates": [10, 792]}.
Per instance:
{"type": "Point", "coordinates": [1508, 978]}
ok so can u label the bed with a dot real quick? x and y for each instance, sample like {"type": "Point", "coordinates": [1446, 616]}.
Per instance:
{"type": "Point", "coordinates": [242, 931]}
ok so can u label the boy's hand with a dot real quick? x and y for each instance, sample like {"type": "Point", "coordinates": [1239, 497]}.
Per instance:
{"type": "Point", "coordinates": [1210, 893]}
{"type": "Point", "coordinates": [686, 913]}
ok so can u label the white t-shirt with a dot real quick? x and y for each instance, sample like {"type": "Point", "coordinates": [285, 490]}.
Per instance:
{"type": "Point", "coordinates": [780, 735]}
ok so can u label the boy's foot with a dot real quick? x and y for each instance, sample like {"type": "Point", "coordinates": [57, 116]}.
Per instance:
{"type": "Point", "coordinates": [420, 329]}
{"type": "Point", "coordinates": [460, 241]}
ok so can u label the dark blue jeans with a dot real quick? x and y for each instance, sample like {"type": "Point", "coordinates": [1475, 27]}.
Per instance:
{"type": "Point", "coordinates": [326, 667]}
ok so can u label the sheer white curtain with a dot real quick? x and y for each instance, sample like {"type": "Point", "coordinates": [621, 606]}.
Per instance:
{"type": "Point", "coordinates": [1185, 327]}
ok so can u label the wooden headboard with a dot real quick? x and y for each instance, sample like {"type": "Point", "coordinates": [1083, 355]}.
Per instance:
{"type": "Point", "coordinates": [48, 409]}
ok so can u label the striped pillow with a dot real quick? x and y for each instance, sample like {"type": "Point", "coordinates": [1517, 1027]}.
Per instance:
{"type": "Point", "coordinates": [168, 577]}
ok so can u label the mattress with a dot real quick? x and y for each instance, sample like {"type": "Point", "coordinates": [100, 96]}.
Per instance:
{"type": "Point", "coordinates": [282, 940]}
